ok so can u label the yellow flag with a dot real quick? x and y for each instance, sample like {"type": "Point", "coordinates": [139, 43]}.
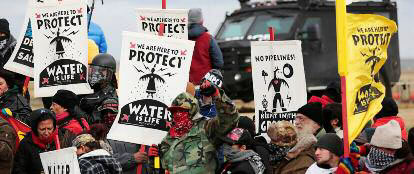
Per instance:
{"type": "Point", "coordinates": [368, 37]}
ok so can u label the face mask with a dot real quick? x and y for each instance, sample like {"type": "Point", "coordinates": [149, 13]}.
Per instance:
{"type": "Point", "coordinates": [98, 74]}
{"type": "Point", "coordinates": [182, 124]}
{"type": "Point", "coordinates": [3, 42]}
{"type": "Point", "coordinates": [378, 159]}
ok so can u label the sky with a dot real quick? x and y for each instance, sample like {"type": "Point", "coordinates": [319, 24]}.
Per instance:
{"type": "Point", "coordinates": [115, 16]}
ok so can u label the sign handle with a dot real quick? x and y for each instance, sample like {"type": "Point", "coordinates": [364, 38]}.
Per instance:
{"type": "Point", "coordinates": [161, 30]}
{"type": "Point", "coordinates": [57, 143]}
{"type": "Point", "coordinates": [139, 167]}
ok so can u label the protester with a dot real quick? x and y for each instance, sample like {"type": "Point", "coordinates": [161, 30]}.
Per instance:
{"type": "Point", "coordinates": [41, 139]}
{"type": "Point", "coordinates": [388, 152]}
{"type": "Point", "coordinates": [259, 143]}
{"type": "Point", "coordinates": [63, 105]}
{"type": "Point", "coordinates": [92, 158]}
{"type": "Point", "coordinates": [99, 132]}
{"type": "Point", "coordinates": [389, 112]}
{"type": "Point", "coordinates": [103, 81]}
{"type": "Point", "coordinates": [207, 55]}
{"type": "Point", "coordinates": [12, 99]}
{"type": "Point", "coordinates": [96, 34]}
{"type": "Point", "coordinates": [7, 45]}
{"type": "Point", "coordinates": [190, 145]}
{"type": "Point", "coordinates": [411, 139]}
{"type": "Point", "coordinates": [8, 139]}
{"type": "Point", "coordinates": [332, 119]}
{"type": "Point", "coordinates": [239, 156]}
{"type": "Point", "coordinates": [309, 118]}
{"type": "Point", "coordinates": [283, 138]}
{"type": "Point", "coordinates": [329, 149]}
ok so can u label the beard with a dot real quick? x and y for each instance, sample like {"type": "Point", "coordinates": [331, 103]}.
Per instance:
{"type": "Point", "coordinates": [305, 131]}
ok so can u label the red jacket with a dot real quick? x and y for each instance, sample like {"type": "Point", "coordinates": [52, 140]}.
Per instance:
{"type": "Point", "coordinates": [405, 167]}
{"type": "Point", "coordinates": [71, 124]}
{"type": "Point", "coordinates": [385, 120]}
{"type": "Point", "coordinates": [201, 62]}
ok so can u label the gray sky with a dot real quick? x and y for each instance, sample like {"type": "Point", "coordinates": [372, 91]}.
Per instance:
{"type": "Point", "coordinates": [116, 16]}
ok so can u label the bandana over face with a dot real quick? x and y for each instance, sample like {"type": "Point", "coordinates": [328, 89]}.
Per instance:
{"type": "Point", "coordinates": [181, 124]}
{"type": "Point", "coordinates": [378, 159]}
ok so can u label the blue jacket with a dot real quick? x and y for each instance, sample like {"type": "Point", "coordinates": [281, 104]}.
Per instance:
{"type": "Point", "coordinates": [194, 31]}
{"type": "Point", "coordinates": [96, 34]}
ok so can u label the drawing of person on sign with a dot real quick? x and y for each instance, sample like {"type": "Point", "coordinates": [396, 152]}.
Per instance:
{"type": "Point", "coordinates": [278, 84]}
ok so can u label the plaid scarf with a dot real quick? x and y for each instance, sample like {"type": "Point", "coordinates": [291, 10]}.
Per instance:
{"type": "Point", "coordinates": [378, 159]}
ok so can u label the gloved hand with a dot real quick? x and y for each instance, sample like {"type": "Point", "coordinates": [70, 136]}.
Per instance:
{"type": "Point", "coordinates": [153, 151]}
{"type": "Point", "coordinates": [208, 89]}
{"type": "Point", "coordinates": [7, 112]}
{"type": "Point", "coordinates": [345, 166]}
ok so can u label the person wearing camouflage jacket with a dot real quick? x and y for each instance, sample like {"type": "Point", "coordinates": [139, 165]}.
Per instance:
{"type": "Point", "coordinates": [194, 149]}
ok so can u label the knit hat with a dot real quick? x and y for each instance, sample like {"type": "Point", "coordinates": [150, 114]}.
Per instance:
{"type": "Point", "coordinates": [82, 139]}
{"type": "Point", "coordinates": [331, 142]}
{"type": "Point", "coordinates": [387, 136]}
{"type": "Point", "coordinates": [333, 91]}
{"type": "Point", "coordinates": [238, 136]}
{"type": "Point", "coordinates": [313, 111]}
{"type": "Point", "coordinates": [389, 108]}
{"type": "Point", "coordinates": [65, 98]}
{"type": "Point", "coordinates": [4, 26]}
{"type": "Point", "coordinates": [332, 111]}
{"type": "Point", "coordinates": [195, 16]}
{"type": "Point", "coordinates": [248, 124]}
{"type": "Point", "coordinates": [214, 76]}
{"type": "Point", "coordinates": [282, 133]}
{"type": "Point", "coordinates": [109, 104]}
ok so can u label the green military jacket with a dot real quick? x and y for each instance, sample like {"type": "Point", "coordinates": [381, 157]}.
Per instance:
{"type": "Point", "coordinates": [195, 152]}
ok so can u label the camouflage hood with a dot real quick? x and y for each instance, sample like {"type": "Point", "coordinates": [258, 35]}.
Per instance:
{"type": "Point", "coordinates": [185, 101]}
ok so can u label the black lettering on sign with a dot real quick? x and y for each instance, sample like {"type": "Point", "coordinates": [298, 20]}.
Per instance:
{"type": "Point", "coordinates": [157, 58]}
{"type": "Point", "coordinates": [63, 72]}
{"type": "Point", "coordinates": [364, 97]}
{"type": "Point", "coordinates": [266, 118]}
{"type": "Point", "coordinates": [25, 53]}
{"type": "Point", "coordinates": [62, 21]}
{"type": "Point", "coordinates": [58, 169]}
{"type": "Point", "coordinates": [168, 28]}
{"type": "Point", "coordinates": [146, 113]}
{"type": "Point", "coordinates": [371, 39]}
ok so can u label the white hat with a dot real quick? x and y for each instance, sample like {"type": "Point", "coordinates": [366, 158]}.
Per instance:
{"type": "Point", "coordinates": [387, 136]}
{"type": "Point", "coordinates": [195, 16]}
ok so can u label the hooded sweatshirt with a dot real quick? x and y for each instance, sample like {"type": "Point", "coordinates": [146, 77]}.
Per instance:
{"type": "Point", "coordinates": [99, 161]}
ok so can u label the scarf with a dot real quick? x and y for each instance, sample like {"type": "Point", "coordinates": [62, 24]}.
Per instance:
{"type": "Point", "coordinates": [62, 116]}
{"type": "Point", "coordinates": [3, 42]}
{"type": "Point", "coordinates": [182, 124]}
{"type": "Point", "coordinates": [46, 143]}
{"type": "Point", "coordinates": [233, 156]}
{"type": "Point", "coordinates": [277, 153]}
{"type": "Point", "coordinates": [378, 160]}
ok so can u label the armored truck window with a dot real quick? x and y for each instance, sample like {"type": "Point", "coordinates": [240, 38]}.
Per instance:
{"type": "Point", "coordinates": [235, 29]}
{"type": "Point", "coordinates": [259, 31]}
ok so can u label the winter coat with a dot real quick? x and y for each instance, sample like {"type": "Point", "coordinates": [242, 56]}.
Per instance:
{"type": "Point", "coordinates": [206, 56]}
{"type": "Point", "coordinates": [17, 104]}
{"type": "Point", "coordinates": [299, 158]}
{"type": "Point", "coordinates": [8, 139]}
{"type": "Point", "coordinates": [399, 166]}
{"type": "Point", "coordinates": [96, 34]}
{"type": "Point", "coordinates": [91, 102]}
{"type": "Point", "coordinates": [315, 169]}
{"type": "Point", "coordinates": [67, 122]}
{"type": "Point", "coordinates": [260, 147]}
{"type": "Point", "coordinates": [99, 162]}
{"type": "Point", "coordinates": [27, 159]}
{"type": "Point", "coordinates": [385, 120]}
{"type": "Point", "coordinates": [124, 153]}
{"type": "Point", "coordinates": [195, 152]}
{"type": "Point", "coordinates": [243, 163]}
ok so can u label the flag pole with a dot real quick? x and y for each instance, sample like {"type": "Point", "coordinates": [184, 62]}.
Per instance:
{"type": "Point", "coordinates": [272, 33]}
{"type": "Point", "coordinates": [342, 66]}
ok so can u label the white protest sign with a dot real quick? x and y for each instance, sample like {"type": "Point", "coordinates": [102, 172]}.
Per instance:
{"type": "Point", "coordinates": [21, 61]}
{"type": "Point", "coordinates": [60, 47]}
{"type": "Point", "coordinates": [278, 81]}
{"type": "Point", "coordinates": [62, 161]}
{"type": "Point", "coordinates": [175, 22]}
{"type": "Point", "coordinates": [153, 71]}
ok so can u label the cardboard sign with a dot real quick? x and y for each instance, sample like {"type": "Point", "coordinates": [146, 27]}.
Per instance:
{"type": "Point", "coordinates": [175, 22]}
{"type": "Point", "coordinates": [21, 61]}
{"type": "Point", "coordinates": [60, 47]}
{"type": "Point", "coordinates": [153, 71]}
{"type": "Point", "coordinates": [278, 81]}
{"type": "Point", "coordinates": [60, 161]}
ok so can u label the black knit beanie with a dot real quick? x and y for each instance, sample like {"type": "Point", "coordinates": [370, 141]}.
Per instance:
{"type": "Point", "coordinates": [332, 143]}
{"type": "Point", "coordinates": [4, 26]}
{"type": "Point", "coordinates": [248, 124]}
{"type": "Point", "coordinates": [66, 99]}
{"type": "Point", "coordinates": [8, 77]}
{"type": "Point", "coordinates": [389, 108]}
{"type": "Point", "coordinates": [313, 111]}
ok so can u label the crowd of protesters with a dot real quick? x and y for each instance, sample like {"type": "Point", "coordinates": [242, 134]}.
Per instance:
{"type": "Point", "coordinates": [207, 135]}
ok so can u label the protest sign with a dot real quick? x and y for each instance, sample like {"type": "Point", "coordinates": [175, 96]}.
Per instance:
{"type": "Point", "coordinates": [21, 61]}
{"type": "Point", "coordinates": [60, 47]}
{"type": "Point", "coordinates": [175, 22]}
{"type": "Point", "coordinates": [62, 161]}
{"type": "Point", "coordinates": [278, 81]}
{"type": "Point", "coordinates": [153, 71]}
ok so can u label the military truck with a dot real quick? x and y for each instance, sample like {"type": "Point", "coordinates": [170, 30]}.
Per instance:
{"type": "Point", "coordinates": [311, 21]}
